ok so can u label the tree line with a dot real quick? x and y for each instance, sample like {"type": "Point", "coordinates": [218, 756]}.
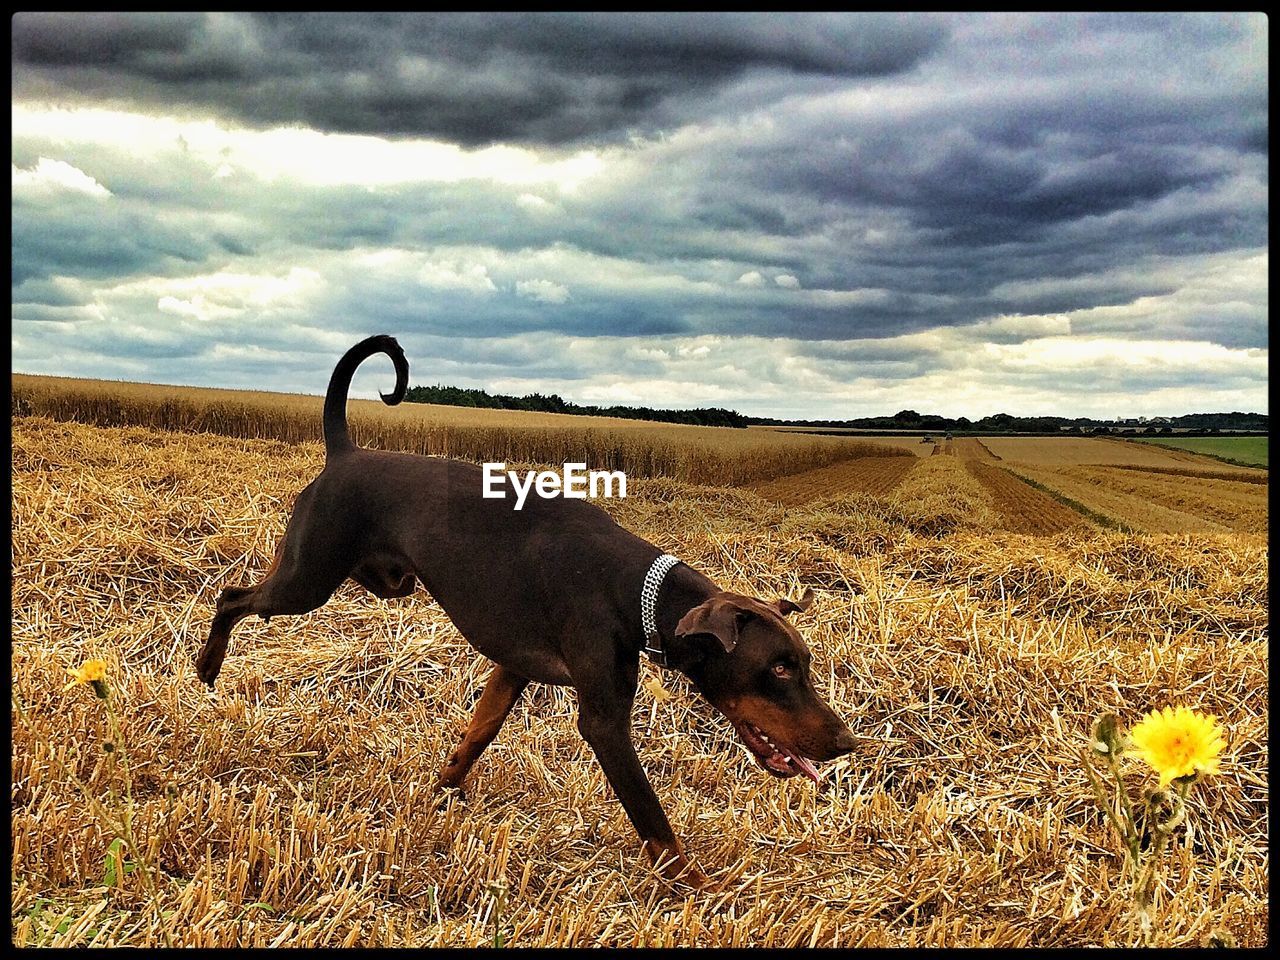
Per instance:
{"type": "Point", "coordinates": [554, 403]}
{"type": "Point", "coordinates": [902, 420]}
{"type": "Point", "coordinates": [1007, 423]}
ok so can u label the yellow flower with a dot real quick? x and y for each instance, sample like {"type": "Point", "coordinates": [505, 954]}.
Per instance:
{"type": "Point", "coordinates": [1178, 743]}
{"type": "Point", "coordinates": [87, 672]}
{"type": "Point", "coordinates": [92, 672]}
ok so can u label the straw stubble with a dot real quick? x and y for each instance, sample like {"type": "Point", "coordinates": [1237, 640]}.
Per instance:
{"type": "Point", "coordinates": [293, 806]}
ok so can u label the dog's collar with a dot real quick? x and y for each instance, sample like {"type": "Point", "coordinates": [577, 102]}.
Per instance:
{"type": "Point", "coordinates": [649, 606]}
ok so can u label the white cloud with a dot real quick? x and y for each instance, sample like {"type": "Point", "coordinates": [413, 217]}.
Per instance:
{"type": "Point", "coordinates": [535, 203]}
{"type": "Point", "coordinates": [453, 275]}
{"type": "Point", "coordinates": [55, 175]}
{"type": "Point", "coordinates": [544, 291]}
{"type": "Point", "coordinates": [1019, 327]}
{"type": "Point", "coordinates": [1112, 357]}
{"type": "Point", "coordinates": [225, 295]}
{"type": "Point", "coordinates": [197, 308]}
{"type": "Point", "coordinates": [691, 393]}
{"type": "Point", "coordinates": [290, 229]}
{"type": "Point", "coordinates": [306, 156]}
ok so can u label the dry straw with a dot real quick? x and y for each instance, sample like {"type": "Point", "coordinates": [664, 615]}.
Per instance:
{"type": "Point", "coordinates": [293, 807]}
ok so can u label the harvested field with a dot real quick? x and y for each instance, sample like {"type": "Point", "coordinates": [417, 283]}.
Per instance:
{"type": "Point", "coordinates": [911, 445]}
{"type": "Point", "coordinates": [877, 476]}
{"type": "Point", "coordinates": [940, 496]}
{"type": "Point", "coordinates": [1111, 501]}
{"type": "Point", "coordinates": [293, 807]}
{"type": "Point", "coordinates": [1022, 508]}
{"type": "Point", "coordinates": [1231, 504]}
{"type": "Point", "coordinates": [971, 448]}
{"type": "Point", "coordinates": [1238, 475]}
{"type": "Point", "coordinates": [1062, 451]}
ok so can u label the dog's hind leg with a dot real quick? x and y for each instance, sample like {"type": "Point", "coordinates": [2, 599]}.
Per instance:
{"type": "Point", "coordinates": [500, 695]}
{"type": "Point", "coordinates": [310, 564]}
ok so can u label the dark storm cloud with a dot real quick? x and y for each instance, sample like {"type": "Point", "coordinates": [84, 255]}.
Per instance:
{"type": "Point", "coordinates": [83, 237]}
{"type": "Point", "coordinates": [886, 196]}
{"type": "Point", "coordinates": [470, 78]}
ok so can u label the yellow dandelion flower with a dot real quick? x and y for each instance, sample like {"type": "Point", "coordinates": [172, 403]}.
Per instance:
{"type": "Point", "coordinates": [1178, 743]}
{"type": "Point", "coordinates": [92, 672]}
{"type": "Point", "coordinates": [87, 672]}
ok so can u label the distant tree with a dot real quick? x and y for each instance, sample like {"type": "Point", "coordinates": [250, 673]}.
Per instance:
{"type": "Point", "coordinates": [554, 403]}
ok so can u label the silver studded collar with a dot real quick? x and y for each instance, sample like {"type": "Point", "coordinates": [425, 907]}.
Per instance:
{"type": "Point", "coordinates": [649, 606]}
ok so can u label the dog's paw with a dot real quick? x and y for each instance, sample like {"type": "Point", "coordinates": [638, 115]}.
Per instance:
{"type": "Point", "coordinates": [693, 878]}
{"type": "Point", "coordinates": [674, 867]}
{"type": "Point", "coordinates": [447, 793]}
{"type": "Point", "coordinates": [207, 672]}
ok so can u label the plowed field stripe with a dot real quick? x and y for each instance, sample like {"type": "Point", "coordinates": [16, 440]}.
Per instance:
{"type": "Point", "coordinates": [1023, 508]}
{"type": "Point", "coordinates": [874, 475]}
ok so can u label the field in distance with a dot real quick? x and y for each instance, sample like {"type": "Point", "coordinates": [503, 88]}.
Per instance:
{"type": "Point", "coordinates": [1035, 485]}
{"type": "Point", "coordinates": [1250, 450]}
{"type": "Point", "coordinates": [713, 455]}
{"type": "Point", "coordinates": [1046, 485]}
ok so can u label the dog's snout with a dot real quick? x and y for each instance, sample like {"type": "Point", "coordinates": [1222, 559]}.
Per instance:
{"type": "Point", "coordinates": [843, 743]}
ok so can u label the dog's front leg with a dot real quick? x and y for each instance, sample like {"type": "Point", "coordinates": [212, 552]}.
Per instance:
{"type": "Point", "coordinates": [605, 723]}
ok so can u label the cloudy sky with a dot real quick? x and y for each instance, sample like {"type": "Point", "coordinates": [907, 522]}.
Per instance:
{"type": "Point", "coordinates": [793, 215]}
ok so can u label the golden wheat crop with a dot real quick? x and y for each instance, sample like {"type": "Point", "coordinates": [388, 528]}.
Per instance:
{"type": "Point", "coordinates": [874, 475]}
{"type": "Point", "coordinates": [293, 806]}
{"type": "Point", "coordinates": [1233, 504]}
{"type": "Point", "coordinates": [1062, 451]}
{"type": "Point", "coordinates": [719, 455]}
{"type": "Point", "coordinates": [909, 444]}
{"type": "Point", "coordinates": [1238, 474]}
{"type": "Point", "coordinates": [1157, 505]}
{"type": "Point", "coordinates": [1022, 508]}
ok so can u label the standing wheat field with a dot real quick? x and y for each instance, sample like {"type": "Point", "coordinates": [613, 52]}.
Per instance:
{"type": "Point", "coordinates": [293, 807]}
{"type": "Point", "coordinates": [640, 448]}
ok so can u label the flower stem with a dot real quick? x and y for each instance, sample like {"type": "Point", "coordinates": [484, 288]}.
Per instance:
{"type": "Point", "coordinates": [135, 848]}
{"type": "Point", "coordinates": [121, 825]}
{"type": "Point", "coordinates": [1126, 831]}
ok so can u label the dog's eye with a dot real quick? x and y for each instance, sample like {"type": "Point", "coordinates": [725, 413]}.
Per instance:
{"type": "Point", "coordinates": [781, 670]}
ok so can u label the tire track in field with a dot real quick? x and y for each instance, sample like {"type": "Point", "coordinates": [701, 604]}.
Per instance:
{"type": "Point", "coordinates": [1023, 508]}
{"type": "Point", "coordinates": [971, 448]}
{"type": "Point", "coordinates": [877, 476]}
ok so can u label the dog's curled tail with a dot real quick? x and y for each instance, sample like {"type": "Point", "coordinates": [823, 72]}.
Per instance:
{"type": "Point", "coordinates": [336, 438]}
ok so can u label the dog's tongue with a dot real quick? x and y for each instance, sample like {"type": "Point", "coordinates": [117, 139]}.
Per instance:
{"type": "Point", "coordinates": [784, 761]}
{"type": "Point", "coordinates": [806, 767]}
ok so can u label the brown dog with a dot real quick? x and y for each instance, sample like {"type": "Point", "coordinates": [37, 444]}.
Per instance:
{"type": "Point", "coordinates": [555, 592]}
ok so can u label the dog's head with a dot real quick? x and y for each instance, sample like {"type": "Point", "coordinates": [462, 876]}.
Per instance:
{"type": "Point", "coordinates": [753, 666]}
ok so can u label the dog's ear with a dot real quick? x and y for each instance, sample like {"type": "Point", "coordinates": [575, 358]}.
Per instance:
{"type": "Point", "coordinates": [718, 617]}
{"type": "Point", "coordinates": [785, 606]}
